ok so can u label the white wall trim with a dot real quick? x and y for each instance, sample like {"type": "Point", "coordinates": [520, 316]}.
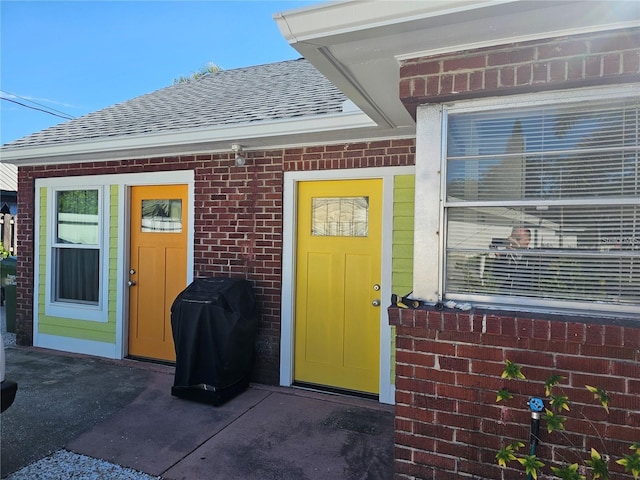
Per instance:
{"type": "Point", "coordinates": [428, 240]}
{"type": "Point", "coordinates": [287, 335]}
{"type": "Point", "coordinates": [76, 345]}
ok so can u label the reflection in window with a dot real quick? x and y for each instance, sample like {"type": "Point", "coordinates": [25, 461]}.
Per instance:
{"type": "Point", "coordinates": [340, 217]}
{"type": "Point", "coordinates": [162, 216]}
{"type": "Point", "coordinates": [77, 217]}
{"type": "Point", "coordinates": [570, 176]}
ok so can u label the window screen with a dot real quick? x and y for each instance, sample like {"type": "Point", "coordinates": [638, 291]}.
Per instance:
{"type": "Point", "coordinates": [543, 204]}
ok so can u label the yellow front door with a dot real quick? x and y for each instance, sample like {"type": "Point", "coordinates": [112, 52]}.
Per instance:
{"type": "Point", "coordinates": [158, 267]}
{"type": "Point", "coordinates": [337, 315]}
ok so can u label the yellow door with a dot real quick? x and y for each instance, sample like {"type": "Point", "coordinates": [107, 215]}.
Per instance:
{"type": "Point", "coordinates": [158, 267]}
{"type": "Point", "coordinates": [337, 316]}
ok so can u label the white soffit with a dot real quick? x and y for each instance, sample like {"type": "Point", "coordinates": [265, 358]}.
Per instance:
{"type": "Point", "coordinates": [358, 44]}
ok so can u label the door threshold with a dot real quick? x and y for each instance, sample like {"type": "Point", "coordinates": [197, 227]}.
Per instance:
{"type": "Point", "coordinates": [344, 392]}
{"type": "Point", "coordinates": [156, 361]}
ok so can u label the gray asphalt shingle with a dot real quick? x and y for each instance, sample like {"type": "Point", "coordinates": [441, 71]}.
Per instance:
{"type": "Point", "coordinates": [275, 91]}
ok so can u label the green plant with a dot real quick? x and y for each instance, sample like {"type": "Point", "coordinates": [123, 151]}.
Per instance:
{"type": "Point", "coordinates": [4, 253]}
{"type": "Point", "coordinates": [558, 402]}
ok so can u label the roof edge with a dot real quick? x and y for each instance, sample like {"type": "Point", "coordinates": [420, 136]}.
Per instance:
{"type": "Point", "coordinates": [249, 135]}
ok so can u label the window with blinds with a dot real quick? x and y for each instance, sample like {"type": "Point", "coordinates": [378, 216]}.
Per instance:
{"type": "Point", "coordinates": [542, 205]}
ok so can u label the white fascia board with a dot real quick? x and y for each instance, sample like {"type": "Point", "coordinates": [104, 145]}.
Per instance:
{"type": "Point", "coordinates": [238, 133]}
{"type": "Point", "coordinates": [341, 23]}
{"type": "Point", "coordinates": [325, 24]}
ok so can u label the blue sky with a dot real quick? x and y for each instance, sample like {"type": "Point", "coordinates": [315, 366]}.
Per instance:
{"type": "Point", "coordinates": [77, 57]}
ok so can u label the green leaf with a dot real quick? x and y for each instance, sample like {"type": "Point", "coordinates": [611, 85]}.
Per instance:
{"type": "Point", "coordinates": [506, 454]}
{"type": "Point", "coordinates": [551, 382]}
{"type": "Point", "coordinates": [553, 421]}
{"type": "Point", "coordinates": [559, 402]}
{"type": "Point", "coordinates": [512, 370]}
{"type": "Point", "coordinates": [531, 465]}
{"type": "Point", "coordinates": [601, 395]}
{"type": "Point", "coordinates": [569, 472]}
{"type": "Point", "coordinates": [503, 394]}
{"type": "Point", "coordinates": [599, 468]}
{"type": "Point", "coordinates": [631, 463]}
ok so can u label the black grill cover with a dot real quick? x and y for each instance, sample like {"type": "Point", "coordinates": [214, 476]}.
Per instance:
{"type": "Point", "coordinates": [214, 323]}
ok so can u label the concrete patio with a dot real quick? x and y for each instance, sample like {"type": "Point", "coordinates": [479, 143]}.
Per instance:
{"type": "Point", "coordinates": [122, 412]}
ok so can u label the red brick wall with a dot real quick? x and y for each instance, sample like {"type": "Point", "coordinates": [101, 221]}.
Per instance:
{"type": "Point", "coordinates": [448, 364]}
{"type": "Point", "coordinates": [238, 220]}
{"type": "Point", "coordinates": [448, 424]}
{"type": "Point", "coordinates": [564, 62]}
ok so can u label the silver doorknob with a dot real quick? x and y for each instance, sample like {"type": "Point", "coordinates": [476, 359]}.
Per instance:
{"type": "Point", "coordinates": [376, 302]}
{"type": "Point", "coordinates": [131, 283]}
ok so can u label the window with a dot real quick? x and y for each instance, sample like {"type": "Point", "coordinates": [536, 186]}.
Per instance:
{"type": "Point", "coordinates": [76, 247]}
{"type": "Point", "coordinates": [542, 205]}
{"type": "Point", "coordinates": [163, 216]}
{"type": "Point", "coordinates": [340, 217]}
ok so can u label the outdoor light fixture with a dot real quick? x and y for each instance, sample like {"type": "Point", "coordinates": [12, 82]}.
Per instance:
{"type": "Point", "coordinates": [240, 158]}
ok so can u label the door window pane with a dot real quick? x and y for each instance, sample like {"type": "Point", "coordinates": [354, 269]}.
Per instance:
{"type": "Point", "coordinates": [340, 217]}
{"type": "Point", "coordinates": [162, 216]}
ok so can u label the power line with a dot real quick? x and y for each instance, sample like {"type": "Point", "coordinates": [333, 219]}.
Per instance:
{"type": "Point", "coordinates": [45, 109]}
{"type": "Point", "coordinates": [36, 103]}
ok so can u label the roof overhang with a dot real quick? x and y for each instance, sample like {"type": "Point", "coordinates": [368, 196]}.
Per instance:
{"type": "Point", "coordinates": [348, 126]}
{"type": "Point", "coordinates": [358, 45]}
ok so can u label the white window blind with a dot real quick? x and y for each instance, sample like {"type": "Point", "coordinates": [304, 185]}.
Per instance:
{"type": "Point", "coordinates": [566, 176]}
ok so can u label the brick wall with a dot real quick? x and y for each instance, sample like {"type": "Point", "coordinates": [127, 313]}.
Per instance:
{"type": "Point", "coordinates": [238, 220]}
{"type": "Point", "coordinates": [564, 62]}
{"type": "Point", "coordinates": [448, 424]}
{"type": "Point", "coordinates": [449, 364]}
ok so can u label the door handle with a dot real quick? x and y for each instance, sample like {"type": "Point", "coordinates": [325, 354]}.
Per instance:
{"type": "Point", "coordinates": [376, 302]}
{"type": "Point", "coordinates": [131, 283]}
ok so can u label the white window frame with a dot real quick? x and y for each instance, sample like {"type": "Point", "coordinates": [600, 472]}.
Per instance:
{"type": "Point", "coordinates": [430, 222]}
{"type": "Point", "coordinates": [77, 310]}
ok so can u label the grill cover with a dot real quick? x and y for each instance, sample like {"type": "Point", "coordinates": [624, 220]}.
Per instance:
{"type": "Point", "coordinates": [214, 323]}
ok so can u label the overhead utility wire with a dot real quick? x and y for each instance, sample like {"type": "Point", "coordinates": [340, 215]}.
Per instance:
{"type": "Point", "coordinates": [35, 103]}
{"type": "Point", "coordinates": [46, 109]}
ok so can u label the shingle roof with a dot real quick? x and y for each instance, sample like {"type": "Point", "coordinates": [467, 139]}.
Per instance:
{"type": "Point", "coordinates": [274, 91]}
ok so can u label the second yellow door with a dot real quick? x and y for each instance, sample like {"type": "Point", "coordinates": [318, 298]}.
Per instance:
{"type": "Point", "coordinates": [158, 267]}
{"type": "Point", "coordinates": [337, 315]}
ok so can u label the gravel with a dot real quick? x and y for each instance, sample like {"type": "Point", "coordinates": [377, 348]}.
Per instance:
{"type": "Point", "coordinates": [7, 338]}
{"type": "Point", "coordinates": [65, 464]}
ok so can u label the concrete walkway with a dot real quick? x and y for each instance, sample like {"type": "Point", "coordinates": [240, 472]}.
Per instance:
{"type": "Point", "coordinates": [123, 412]}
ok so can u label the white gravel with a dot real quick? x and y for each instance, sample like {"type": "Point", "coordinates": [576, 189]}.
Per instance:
{"type": "Point", "coordinates": [65, 464]}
